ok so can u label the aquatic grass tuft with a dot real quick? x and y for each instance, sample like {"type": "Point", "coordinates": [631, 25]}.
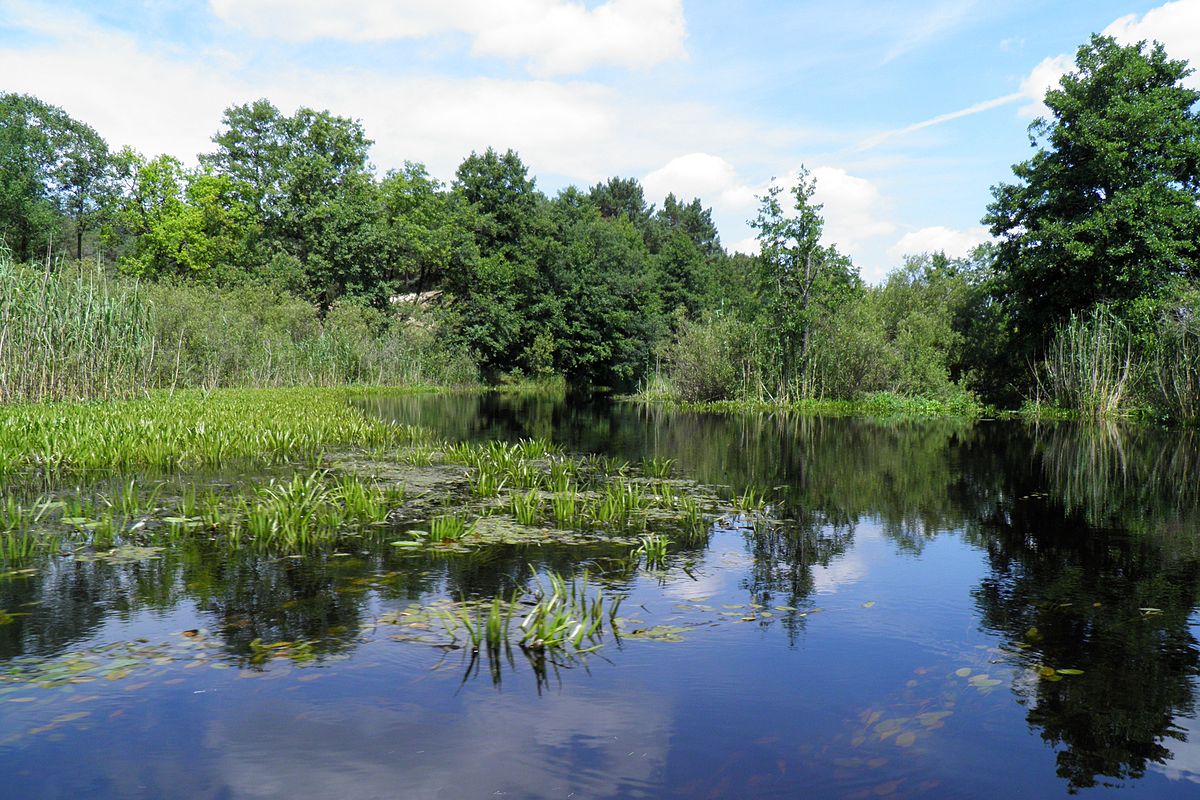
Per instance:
{"type": "Point", "coordinates": [653, 549]}
{"type": "Point", "coordinates": [449, 528]}
{"type": "Point", "coordinates": [526, 508]}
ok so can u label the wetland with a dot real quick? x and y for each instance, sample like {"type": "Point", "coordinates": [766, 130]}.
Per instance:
{"type": "Point", "coordinates": [303, 593]}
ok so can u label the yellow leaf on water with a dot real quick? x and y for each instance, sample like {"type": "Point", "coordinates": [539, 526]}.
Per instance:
{"type": "Point", "coordinates": [906, 739]}
{"type": "Point", "coordinates": [962, 672]}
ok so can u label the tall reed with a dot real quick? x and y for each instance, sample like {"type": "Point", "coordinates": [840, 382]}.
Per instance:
{"type": "Point", "coordinates": [71, 334]}
{"type": "Point", "coordinates": [1089, 367]}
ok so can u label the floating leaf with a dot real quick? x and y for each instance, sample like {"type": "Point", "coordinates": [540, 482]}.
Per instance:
{"type": "Point", "coordinates": [963, 672]}
{"type": "Point", "coordinates": [1070, 672]}
{"type": "Point", "coordinates": [1047, 672]}
{"type": "Point", "coordinates": [868, 604]}
{"type": "Point", "coordinates": [906, 739]}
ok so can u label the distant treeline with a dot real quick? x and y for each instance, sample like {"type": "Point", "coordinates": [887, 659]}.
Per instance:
{"type": "Point", "coordinates": [1086, 299]}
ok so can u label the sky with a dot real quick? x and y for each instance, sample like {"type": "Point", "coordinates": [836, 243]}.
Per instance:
{"type": "Point", "coordinates": [906, 113]}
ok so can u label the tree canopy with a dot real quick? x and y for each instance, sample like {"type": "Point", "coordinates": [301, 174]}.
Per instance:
{"type": "Point", "coordinates": [1106, 209]}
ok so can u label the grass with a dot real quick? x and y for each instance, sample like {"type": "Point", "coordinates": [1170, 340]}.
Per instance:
{"type": "Point", "coordinates": [71, 334]}
{"type": "Point", "coordinates": [526, 508]}
{"type": "Point", "coordinates": [449, 528]}
{"type": "Point", "coordinates": [653, 549]}
{"type": "Point", "coordinates": [188, 429]}
{"type": "Point", "coordinates": [567, 615]}
{"type": "Point", "coordinates": [1089, 367]}
{"type": "Point", "coordinates": [875, 404]}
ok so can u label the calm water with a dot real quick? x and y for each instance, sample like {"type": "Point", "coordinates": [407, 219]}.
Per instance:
{"type": "Point", "coordinates": [887, 643]}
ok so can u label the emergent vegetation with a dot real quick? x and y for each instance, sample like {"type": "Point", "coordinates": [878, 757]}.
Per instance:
{"type": "Point", "coordinates": [282, 258]}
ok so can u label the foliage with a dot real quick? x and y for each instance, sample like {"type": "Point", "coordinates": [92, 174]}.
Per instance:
{"type": "Point", "coordinates": [71, 334]}
{"type": "Point", "coordinates": [1106, 210]}
{"type": "Point", "coordinates": [800, 281]}
{"type": "Point", "coordinates": [703, 362]}
{"type": "Point", "coordinates": [52, 168]}
{"type": "Point", "coordinates": [1090, 366]}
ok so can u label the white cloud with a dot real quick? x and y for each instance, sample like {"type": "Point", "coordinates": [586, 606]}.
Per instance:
{"type": "Point", "coordinates": [709, 177]}
{"type": "Point", "coordinates": [130, 95]}
{"type": "Point", "coordinates": [557, 37]}
{"type": "Point", "coordinates": [855, 210]}
{"type": "Point", "coordinates": [1044, 77]}
{"type": "Point", "coordinates": [954, 243]}
{"type": "Point", "coordinates": [160, 100]}
{"type": "Point", "coordinates": [1176, 25]}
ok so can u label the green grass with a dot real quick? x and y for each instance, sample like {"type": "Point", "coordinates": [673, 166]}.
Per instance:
{"type": "Point", "coordinates": [189, 429]}
{"type": "Point", "coordinates": [71, 334]}
{"type": "Point", "coordinates": [876, 404]}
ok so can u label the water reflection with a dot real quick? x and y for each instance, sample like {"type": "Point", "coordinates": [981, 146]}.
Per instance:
{"type": "Point", "coordinates": [1084, 529]}
{"type": "Point", "coordinates": [1080, 547]}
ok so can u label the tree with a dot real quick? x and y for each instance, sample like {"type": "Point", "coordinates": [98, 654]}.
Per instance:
{"type": "Point", "coordinates": [55, 171]}
{"type": "Point", "coordinates": [499, 189]}
{"type": "Point", "coordinates": [430, 230]}
{"type": "Point", "coordinates": [622, 196]}
{"type": "Point", "coordinates": [1106, 210]}
{"type": "Point", "coordinates": [184, 225]}
{"type": "Point", "coordinates": [309, 180]}
{"type": "Point", "coordinates": [799, 280]}
{"type": "Point", "coordinates": [27, 212]}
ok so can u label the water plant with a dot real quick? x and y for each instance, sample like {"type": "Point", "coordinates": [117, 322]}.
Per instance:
{"type": "Point", "coordinates": [657, 467]}
{"type": "Point", "coordinates": [567, 615]}
{"type": "Point", "coordinates": [653, 549]}
{"type": "Point", "coordinates": [449, 528]}
{"type": "Point", "coordinates": [163, 431]}
{"type": "Point", "coordinates": [566, 506]}
{"type": "Point", "coordinates": [526, 508]}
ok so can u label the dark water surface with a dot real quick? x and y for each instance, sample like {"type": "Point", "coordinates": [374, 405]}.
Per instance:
{"type": "Point", "coordinates": [894, 640]}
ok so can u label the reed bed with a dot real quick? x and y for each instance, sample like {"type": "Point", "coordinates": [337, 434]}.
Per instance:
{"type": "Point", "coordinates": [71, 335]}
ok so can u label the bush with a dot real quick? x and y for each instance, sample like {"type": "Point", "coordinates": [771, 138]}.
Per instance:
{"type": "Point", "coordinates": [703, 362]}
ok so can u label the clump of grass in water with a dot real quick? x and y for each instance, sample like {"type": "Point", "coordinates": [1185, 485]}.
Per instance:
{"type": "Point", "coordinates": [566, 505]}
{"type": "Point", "coordinates": [487, 480]}
{"type": "Point", "coordinates": [491, 631]}
{"type": "Point", "coordinates": [567, 616]}
{"type": "Point", "coordinates": [653, 549]}
{"type": "Point", "coordinates": [449, 528]}
{"type": "Point", "coordinates": [657, 467]}
{"type": "Point", "coordinates": [18, 547]}
{"type": "Point", "coordinates": [526, 508]}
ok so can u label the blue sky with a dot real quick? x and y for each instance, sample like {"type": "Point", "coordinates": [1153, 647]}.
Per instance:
{"type": "Point", "coordinates": [906, 112]}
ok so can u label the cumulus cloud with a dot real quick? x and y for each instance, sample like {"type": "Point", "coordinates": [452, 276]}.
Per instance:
{"type": "Point", "coordinates": [160, 99]}
{"type": "Point", "coordinates": [711, 178]}
{"type": "Point", "coordinates": [952, 242]}
{"type": "Point", "coordinates": [555, 37]}
{"type": "Point", "coordinates": [1044, 77]}
{"type": "Point", "coordinates": [1176, 25]}
{"type": "Point", "coordinates": [854, 208]}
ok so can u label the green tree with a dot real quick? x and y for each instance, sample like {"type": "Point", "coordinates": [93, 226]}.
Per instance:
{"type": "Point", "coordinates": [622, 196]}
{"type": "Point", "coordinates": [27, 212]}
{"type": "Point", "coordinates": [55, 173]}
{"type": "Point", "coordinates": [431, 230]}
{"type": "Point", "coordinates": [799, 281]}
{"type": "Point", "coordinates": [191, 225]}
{"type": "Point", "coordinates": [1106, 210]}
{"type": "Point", "coordinates": [308, 178]}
